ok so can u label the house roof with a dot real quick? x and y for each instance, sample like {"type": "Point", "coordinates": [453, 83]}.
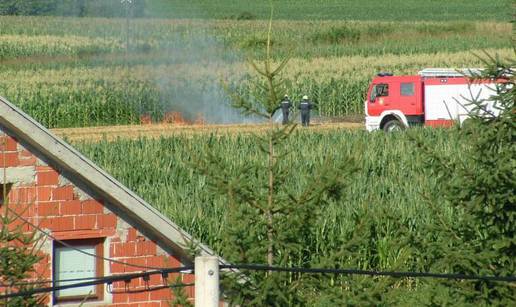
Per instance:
{"type": "Point", "coordinates": [146, 217]}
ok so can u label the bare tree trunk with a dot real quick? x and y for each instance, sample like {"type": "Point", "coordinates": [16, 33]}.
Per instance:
{"type": "Point", "coordinates": [270, 234]}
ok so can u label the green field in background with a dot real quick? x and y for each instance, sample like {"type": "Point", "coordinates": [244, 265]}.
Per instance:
{"type": "Point", "coordinates": [392, 10]}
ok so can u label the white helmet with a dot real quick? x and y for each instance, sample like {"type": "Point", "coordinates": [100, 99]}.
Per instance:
{"type": "Point", "coordinates": [305, 97]}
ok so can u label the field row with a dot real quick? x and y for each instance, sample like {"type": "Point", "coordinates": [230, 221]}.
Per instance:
{"type": "Point", "coordinates": [92, 96]}
{"type": "Point", "coordinates": [89, 37]}
{"type": "Point", "coordinates": [395, 10]}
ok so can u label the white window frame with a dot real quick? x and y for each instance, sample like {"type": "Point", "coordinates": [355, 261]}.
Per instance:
{"type": "Point", "coordinates": [98, 246]}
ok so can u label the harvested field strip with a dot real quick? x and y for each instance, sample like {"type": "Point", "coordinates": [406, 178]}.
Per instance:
{"type": "Point", "coordinates": [111, 133]}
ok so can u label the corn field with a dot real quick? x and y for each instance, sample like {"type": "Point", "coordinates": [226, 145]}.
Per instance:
{"type": "Point", "coordinates": [78, 72]}
{"type": "Point", "coordinates": [70, 72]}
{"type": "Point", "coordinates": [89, 96]}
{"type": "Point", "coordinates": [160, 170]}
{"type": "Point", "coordinates": [302, 39]}
{"type": "Point", "coordinates": [24, 46]}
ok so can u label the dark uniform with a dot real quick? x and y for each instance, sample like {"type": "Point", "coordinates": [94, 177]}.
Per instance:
{"type": "Point", "coordinates": [285, 109]}
{"type": "Point", "coordinates": [305, 106]}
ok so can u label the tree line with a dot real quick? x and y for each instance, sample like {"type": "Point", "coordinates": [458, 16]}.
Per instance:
{"type": "Point", "coordinates": [77, 8]}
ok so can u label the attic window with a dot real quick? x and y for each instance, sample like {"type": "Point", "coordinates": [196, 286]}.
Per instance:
{"type": "Point", "coordinates": [76, 260]}
{"type": "Point", "coordinates": [4, 192]}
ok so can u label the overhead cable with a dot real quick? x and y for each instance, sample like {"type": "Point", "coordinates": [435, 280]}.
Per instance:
{"type": "Point", "coordinates": [261, 267]}
{"type": "Point", "coordinates": [47, 234]}
{"type": "Point", "coordinates": [102, 280]}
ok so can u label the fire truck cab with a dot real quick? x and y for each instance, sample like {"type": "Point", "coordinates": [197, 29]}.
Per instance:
{"type": "Point", "coordinates": [434, 97]}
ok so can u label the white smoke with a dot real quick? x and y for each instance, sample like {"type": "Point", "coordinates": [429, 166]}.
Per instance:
{"type": "Point", "coordinates": [182, 92]}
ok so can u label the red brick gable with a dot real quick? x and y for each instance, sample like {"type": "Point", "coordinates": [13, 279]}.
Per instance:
{"type": "Point", "coordinates": [63, 205]}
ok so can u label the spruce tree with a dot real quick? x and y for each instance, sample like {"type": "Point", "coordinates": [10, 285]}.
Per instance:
{"type": "Point", "coordinates": [18, 253]}
{"type": "Point", "coordinates": [269, 222]}
{"type": "Point", "coordinates": [480, 186]}
{"type": "Point", "coordinates": [180, 296]}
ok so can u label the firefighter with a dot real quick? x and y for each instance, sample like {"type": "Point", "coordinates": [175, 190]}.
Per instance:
{"type": "Point", "coordinates": [285, 109]}
{"type": "Point", "coordinates": [305, 106]}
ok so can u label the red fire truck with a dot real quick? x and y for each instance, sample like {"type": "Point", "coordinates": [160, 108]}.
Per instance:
{"type": "Point", "coordinates": [434, 97]}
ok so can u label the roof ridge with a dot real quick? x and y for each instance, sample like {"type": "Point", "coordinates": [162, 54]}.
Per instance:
{"type": "Point", "coordinates": [64, 155]}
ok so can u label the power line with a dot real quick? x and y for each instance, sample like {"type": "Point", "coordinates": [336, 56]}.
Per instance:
{"type": "Point", "coordinates": [46, 281]}
{"type": "Point", "coordinates": [101, 280]}
{"type": "Point", "coordinates": [150, 289]}
{"type": "Point", "coordinates": [81, 251]}
{"type": "Point", "coordinates": [262, 267]}
{"type": "Point", "coordinates": [254, 267]}
{"type": "Point", "coordinates": [49, 281]}
{"type": "Point", "coordinates": [187, 270]}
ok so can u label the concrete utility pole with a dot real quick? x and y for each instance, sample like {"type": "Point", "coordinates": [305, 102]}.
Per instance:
{"type": "Point", "coordinates": [206, 281]}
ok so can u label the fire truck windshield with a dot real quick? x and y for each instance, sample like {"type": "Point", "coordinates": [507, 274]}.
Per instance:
{"type": "Point", "coordinates": [379, 90]}
{"type": "Point", "coordinates": [382, 90]}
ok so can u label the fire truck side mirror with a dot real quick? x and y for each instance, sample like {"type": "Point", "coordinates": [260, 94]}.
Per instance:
{"type": "Point", "coordinates": [372, 96]}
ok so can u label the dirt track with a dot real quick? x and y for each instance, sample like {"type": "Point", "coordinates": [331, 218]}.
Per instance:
{"type": "Point", "coordinates": [157, 130]}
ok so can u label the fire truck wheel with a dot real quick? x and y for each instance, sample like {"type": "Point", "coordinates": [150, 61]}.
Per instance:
{"type": "Point", "coordinates": [393, 125]}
